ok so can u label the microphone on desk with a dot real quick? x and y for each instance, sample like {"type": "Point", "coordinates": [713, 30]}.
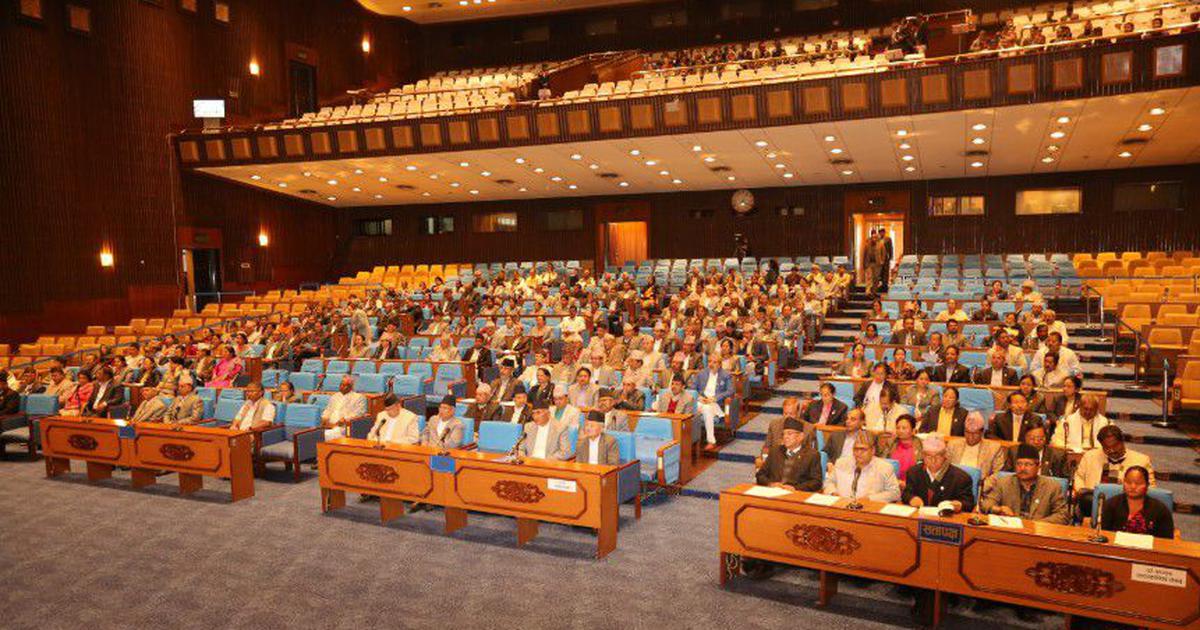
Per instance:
{"type": "Point", "coordinates": [1096, 536]}
{"type": "Point", "coordinates": [854, 505]}
{"type": "Point", "coordinates": [976, 518]}
{"type": "Point", "coordinates": [378, 429]}
{"type": "Point", "coordinates": [442, 441]}
{"type": "Point", "coordinates": [515, 453]}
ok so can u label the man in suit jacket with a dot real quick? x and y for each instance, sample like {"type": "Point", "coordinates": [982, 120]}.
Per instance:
{"type": "Point", "coordinates": [931, 422]}
{"type": "Point", "coordinates": [907, 334]}
{"type": "Point", "coordinates": [997, 372]}
{"type": "Point", "coordinates": [950, 371]}
{"type": "Point", "coordinates": [715, 387]}
{"type": "Point", "coordinates": [479, 354]}
{"type": "Point", "coordinates": [507, 385]}
{"type": "Point", "coordinates": [631, 398]}
{"type": "Point", "coordinates": [485, 408]}
{"type": "Point", "coordinates": [614, 419]}
{"type": "Point", "coordinates": [1026, 494]}
{"type": "Point", "coordinates": [105, 394]}
{"type": "Point", "coordinates": [521, 411]}
{"type": "Point", "coordinates": [278, 349]}
{"type": "Point", "coordinates": [562, 410]}
{"type": "Point", "coordinates": [936, 480]}
{"type": "Point", "coordinates": [444, 431]}
{"type": "Point", "coordinates": [544, 438]}
{"type": "Point", "coordinates": [791, 465]}
{"type": "Point", "coordinates": [989, 456]}
{"type": "Point", "coordinates": [582, 393]}
{"type": "Point", "coordinates": [187, 408]}
{"type": "Point", "coordinates": [791, 411]}
{"type": "Point", "coordinates": [595, 446]}
{"type": "Point", "coordinates": [840, 444]}
{"type": "Point", "coordinates": [869, 392]}
{"type": "Point", "coordinates": [1011, 425]}
{"type": "Point", "coordinates": [1052, 461]}
{"type": "Point", "coordinates": [826, 409]}
{"type": "Point", "coordinates": [675, 399]}
{"type": "Point", "coordinates": [154, 408]}
{"type": "Point", "coordinates": [10, 400]}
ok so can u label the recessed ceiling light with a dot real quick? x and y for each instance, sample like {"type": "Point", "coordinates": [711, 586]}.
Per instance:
{"type": "Point", "coordinates": [410, 168]}
{"type": "Point", "coordinates": [710, 159]}
{"type": "Point", "coordinates": [780, 165]}
{"type": "Point", "coordinates": [905, 146]}
{"type": "Point", "coordinates": [1052, 148]}
{"type": "Point", "coordinates": [332, 182]}
{"type": "Point", "coordinates": [677, 181]}
{"type": "Point", "coordinates": [976, 164]}
{"type": "Point", "coordinates": [979, 126]}
{"type": "Point", "coordinates": [1062, 120]}
{"type": "Point", "coordinates": [1145, 127]}
{"type": "Point", "coordinates": [332, 198]}
{"type": "Point", "coordinates": [434, 176]}
{"type": "Point", "coordinates": [383, 180]}
{"type": "Point", "coordinates": [731, 178]}
{"type": "Point", "coordinates": [576, 156]}
{"type": "Point", "coordinates": [455, 184]}
{"type": "Point", "coordinates": [830, 138]}
{"type": "Point", "coordinates": [907, 158]}
{"type": "Point", "coordinates": [664, 172]}
{"type": "Point", "coordinates": [624, 184]}
{"type": "Point", "coordinates": [556, 178]}
{"type": "Point", "coordinates": [256, 177]}
{"type": "Point", "coordinates": [539, 170]}
{"type": "Point", "coordinates": [635, 152]}
{"type": "Point", "coordinates": [901, 132]}
{"type": "Point", "coordinates": [1047, 160]}
{"type": "Point", "coordinates": [464, 164]}
{"type": "Point", "coordinates": [651, 162]}
{"type": "Point", "coordinates": [520, 160]}
{"type": "Point", "coordinates": [572, 186]}
{"type": "Point", "coordinates": [760, 143]}
{"type": "Point", "coordinates": [358, 171]}
{"type": "Point", "coordinates": [473, 192]}
{"type": "Point", "coordinates": [485, 173]}
{"type": "Point", "coordinates": [593, 166]}
{"type": "Point", "coordinates": [771, 155]}
{"type": "Point", "coordinates": [356, 189]}
{"type": "Point", "coordinates": [308, 173]}
{"type": "Point", "coordinates": [425, 194]}
{"type": "Point", "coordinates": [1124, 154]}
{"type": "Point", "coordinates": [836, 151]}
{"type": "Point", "coordinates": [697, 148]}
{"type": "Point", "coordinates": [788, 176]}
{"type": "Point", "coordinates": [847, 172]}
{"type": "Point", "coordinates": [1057, 134]}
{"type": "Point", "coordinates": [910, 168]}
{"type": "Point", "coordinates": [406, 8]}
{"type": "Point", "coordinates": [283, 184]}
{"type": "Point", "coordinates": [1157, 111]}
{"type": "Point", "coordinates": [522, 189]}
{"type": "Point", "coordinates": [378, 196]}
{"type": "Point", "coordinates": [977, 140]}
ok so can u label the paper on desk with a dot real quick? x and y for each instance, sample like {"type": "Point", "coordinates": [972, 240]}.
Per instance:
{"type": "Point", "coordinates": [821, 499]}
{"type": "Point", "coordinates": [928, 512]}
{"type": "Point", "coordinates": [1011, 522]}
{"type": "Point", "coordinates": [895, 509]}
{"type": "Point", "coordinates": [1137, 541]}
{"type": "Point", "coordinates": [767, 492]}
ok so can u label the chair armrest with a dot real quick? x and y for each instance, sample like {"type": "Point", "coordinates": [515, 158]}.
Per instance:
{"type": "Point", "coordinates": [629, 480]}
{"type": "Point", "coordinates": [14, 421]}
{"type": "Point", "coordinates": [273, 435]}
{"type": "Point", "coordinates": [117, 411]}
{"type": "Point", "coordinates": [305, 442]}
{"type": "Point", "coordinates": [415, 404]}
{"type": "Point", "coordinates": [668, 462]}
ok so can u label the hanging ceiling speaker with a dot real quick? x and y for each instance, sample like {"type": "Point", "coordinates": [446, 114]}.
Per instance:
{"type": "Point", "coordinates": [742, 201]}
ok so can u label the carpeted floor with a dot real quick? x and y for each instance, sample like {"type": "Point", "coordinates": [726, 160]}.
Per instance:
{"type": "Point", "coordinates": [106, 556]}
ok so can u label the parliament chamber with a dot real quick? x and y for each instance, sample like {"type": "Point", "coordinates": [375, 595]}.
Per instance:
{"type": "Point", "coordinates": [600, 313]}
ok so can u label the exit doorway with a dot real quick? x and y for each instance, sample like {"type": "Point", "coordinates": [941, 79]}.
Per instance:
{"type": "Point", "coordinates": [624, 241]}
{"type": "Point", "coordinates": [893, 225]}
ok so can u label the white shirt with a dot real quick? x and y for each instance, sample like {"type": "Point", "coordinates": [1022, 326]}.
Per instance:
{"type": "Point", "coordinates": [997, 377]}
{"type": "Point", "coordinates": [541, 440]}
{"type": "Point", "coordinates": [343, 406]}
{"type": "Point", "coordinates": [396, 427]}
{"type": "Point", "coordinates": [710, 388]}
{"type": "Point", "coordinates": [970, 455]}
{"type": "Point", "coordinates": [1016, 427]}
{"type": "Point", "coordinates": [872, 395]}
{"type": "Point", "coordinates": [594, 451]}
{"type": "Point", "coordinates": [1077, 434]}
{"type": "Point", "coordinates": [516, 414]}
{"type": "Point", "coordinates": [250, 411]}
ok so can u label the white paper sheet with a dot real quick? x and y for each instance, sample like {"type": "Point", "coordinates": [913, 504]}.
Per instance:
{"type": "Point", "coordinates": [1137, 541]}
{"type": "Point", "coordinates": [1011, 522]}
{"type": "Point", "coordinates": [767, 492]}
{"type": "Point", "coordinates": [894, 509]}
{"type": "Point", "coordinates": [821, 499]}
{"type": "Point", "coordinates": [928, 512]}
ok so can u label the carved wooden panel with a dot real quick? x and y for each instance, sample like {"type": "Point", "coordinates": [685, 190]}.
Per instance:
{"type": "Point", "coordinates": [1022, 79]}
{"type": "Point", "coordinates": [816, 100]}
{"type": "Point", "coordinates": [547, 124]}
{"type": "Point", "coordinates": [675, 113]}
{"type": "Point", "coordinates": [708, 110]}
{"type": "Point", "coordinates": [390, 473]}
{"type": "Point", "coordinates": [1116, 67]}
{"type": "Point", "coordinates": [75, 439]}
{"type": "Point", "coordinates": [203, 454]}
{"type": "Point", "coordinates": [240, 148]}
{"type": "Point", "coordinates": [321, 144]}
{"type": "Point", "coordinates": [854, 97]}
{"type": "Point", "coordinates": [518, 127]}
{"type": "Point", "coordinates": [977, 84]}
{"type": "Point", "coordinates": [431, 134]}
{"type": "Point", "coordinates": [488, 129]}
{"type": "Point", "coordinates": [893, 92]}
{"type": "Point", "coordinates": [347, 141]}
{"type": "Point", "coordinates": [268, 147]}
{"type": "Point", "coordinates": [779, 104]}
{"type": "Point", "coordinates": [743, 107]}
{"type": "Point", "coordinates": [374, 139]}
{"type": "Point", "coordinates": [459, 131]}
{"type": "Point", "coordinates": [189, 151]}
{"type": "Point", "coordinates": [935, 89]}
{"type": "Point", "coordinates": [641, 116]}
{"type": "Point", "coordinates": [578, 122]}
{"type": "Point", "coordinates": [610, 119]}
{"type": "Point", "coordinates": [293, 144]}
{"type": "Point", "coordinates": [1068, 74]}
{"type": "Point", "coordinates": [486, 488]}
{"type": "Point", "coordinates": [402, 137]}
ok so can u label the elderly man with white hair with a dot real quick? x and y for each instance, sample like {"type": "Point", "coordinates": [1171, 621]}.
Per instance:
{"type": "Point", "coordinates": [345, 405]}
{"type": "Point", "coordinates": [990, 457]}
{"type": "Point", "coordinates": [1080, 431]}
{"type": "Point", "coordinates": [938, 483]}
{"type": "Point", "coordinates": [562, 410]}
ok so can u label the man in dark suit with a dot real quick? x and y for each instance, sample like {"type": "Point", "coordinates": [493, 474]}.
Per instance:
{"type": "Point", "coordinates": [10, 400]}
{"type": "Point", "coordinates": [1052, 461]}
{"type": "Point", "coordinates": [1012, 425]}
{"type": "Point", "coordinates": [869, 392]}
{"type": "Point", "coordinates": [836, 441]}
{"type": "Point", "coordinates": [105, 395]}
{"type": "Point", "coordinates": [594, 445]}
{"type": "Point", "coordinates": [507, 384]}
{"type": "Point", "coordinates": [955, 416]}
{"type": "Point", "coordinates": [997, 372]}
{"type": "Point", "coordinates": [521, 411]}
{"type": "Point", "coordinates": [936, 480]}
{"type": "Point", "coordinates": [826, 409]}
{"type": "Point", "coordinates": [485, 408]}
{"type": "Point", "coordinates": [791, 465]}
{"type": "Point", "coordinates": [907, 334]}
{"type": "Point", "coordinates": [950, 371]}
{"type": "Point", "coordinates": [479, 354]}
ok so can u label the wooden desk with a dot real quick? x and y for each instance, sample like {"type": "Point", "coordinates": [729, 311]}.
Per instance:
{"type": "Point", "coordinates": [96, 441]}
{"type": "Point", "coordinates": [682, 426]}
{"type": "Point", "coordinates": [194, 452]}
{"type": "Point", "coordinates": [1052, 567]}
{"type": "Point", "coordinates": [583, 495]}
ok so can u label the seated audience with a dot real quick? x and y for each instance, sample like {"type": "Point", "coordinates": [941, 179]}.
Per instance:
{"type": "Point", "coordinates": [1052, 460]}
{"type": "Point", "coordinates": [675, 399]}
{"type": "Point", "coordinates": [902, 445]}
{"type": "Point", "coordinates": [791, 465]}
{"type": "Point", "coordinates": [595, 446]}
{"type": "Point", "coordinates": [1026, 494]}
{"type": "Point", "coordinates": [153, 408]}
{"type": "Point", "coordinates": [484, 408]}
{"type": "Point", "coordinates": [863, 476]}
{"type": "Point", "coordinates": [256, 412]}
{"type": "Point", "coordinates": [10, 400]}
{"type": "Point", "coordinates": [1107, 464]}
{"type": "Point", "coordinates": [187, 407]}
{"type": "Point", "coordinates": [950, 370]}
{"type": "Point", "coordinates": [1135, 512]}
{"type": "Point", "coordinates": [868, 393]}
{"type": "Point", "coordinates": [1080, 431]}
{"type": "Point", "coordinates": [562, 410]}
{"type": "Point", "coordinates": [1011, 425]}
{"type": "Point", "coordinates": [989, 456]}
{"type": "Point", "coordinates": [920, 397]}
{"type": "Point", "coordinates": [856, 365]}
{"type": "Point", "coordinates": [521, 411]}
{"type": "Point", "coordinates": [839, 444]}
{"type": "Point", "coordinates": [444, 431]}
{"type": "Point", "coordinates": [544, 438]}
{"type": "Point", "coordinates": [715, 387]}
{"type": "Point", "coordinates": [937, 481]}
{"type": "Point", "coordinates": [105, 395]}
{"type": "Point", "coordinates": [395, 424]}
{"type": "Point", "coordinates": [997, 374]}
{"type": "Point", "coordinates": [826, 409]}
{"type": "Point", "coordinates": [882, 415]}
{"type": "Point", "coordinates": [948, 418]}
{"type": "Point", "coordinates": [344, 406]}
{"type": "Point", "coordinates": [286, 393]}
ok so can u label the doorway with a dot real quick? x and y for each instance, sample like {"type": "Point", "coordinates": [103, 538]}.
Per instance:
{"type": "Point", "coordinates": [202, 276]}
{"type": "Point", "coordinates": [891, 222]}
{"type": "Point", "coordinates": [303, 84]}
{"type": "Point", "coordinates": [625, 241]}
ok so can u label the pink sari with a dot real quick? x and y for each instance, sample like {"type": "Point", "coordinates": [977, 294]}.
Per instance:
{"type": "Point", "coordinates": [225, 372]}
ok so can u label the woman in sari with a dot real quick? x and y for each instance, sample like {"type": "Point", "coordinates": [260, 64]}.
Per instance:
{"type": "Point", "coordinates": [227, 368]}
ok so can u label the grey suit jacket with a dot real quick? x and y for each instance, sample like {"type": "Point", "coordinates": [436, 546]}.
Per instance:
{"type": "Point", "coordinates": [1048, 503]}
{"type": "Point", "coordinates": [558, 446]}
{"type": "Point", "coordinates": [610, 453]}
{"type": "Point", "coordinates": [993, 457]}
{"type": "Point", "coordinates": [151, 410]}
{"type": "Point", "coordinates": [185, 410]}
{"type": "Point", "coordinates": [453, 437]}
{"type": "Point", "coordinates": [685, 403]}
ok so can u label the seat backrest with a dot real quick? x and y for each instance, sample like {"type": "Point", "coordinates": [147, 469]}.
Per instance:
{"type": "Point", "coordinates": [406, 385]}
{"type": "Point", "coordinates": [420, 369]}
{"type": "Point", "coordinates": [1110, 490]}
{"type": "Point", "coordinates": [974, 473]}
{"type": "Point", "coordinates": [625, 445]}
{"type": "Point", "coordinates": [337, 366]}
{"type": "Point", "coordinates": [315, 366]}
{"type": "Point", "coordinates": [302, 415]}
{"type": "Point", "coordinates": [364, 367]}
{"type": "Point", "coordinates": [304, 381]}
{"type": "Point", "coordinates": [654, 426]}
{"type": "Point", "coordinates": [231, 393]}
{"type": "Point", "coordinates": [498, 437]}
{"type": "Point", "coordinates": [227, 409]}
{"type": "Point", "coordinates": [391, 368]}
{"type": "Point", "coordinates": [41, 404]}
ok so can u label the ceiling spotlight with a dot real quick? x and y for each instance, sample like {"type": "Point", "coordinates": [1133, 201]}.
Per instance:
{"type": "Point", "coordinates": [406, 8]}
{"type": "Point", "coordinates": [522, 189]}
{"type": "Point", "coordinates": [1057, 134]}
{"type": "Point", "coordinates": [283, 184]}
{"type": "Point", "coordinates": [979, 126]}
{"type": "Point", "coordinates": [455, 184]}
{"type": "Point", "coordinates": [1124, 154]}
{"type": "Point", "coordinates": [836, 151]}
{"type": "Point", "coordinates": [356, 189]}
{"type": "Point", "coordinates": [572, 186]}
{"type": "Point", "coordinates": [434, 176]}
{"type": "Point", "coordinates": [780, 165]}
{"type": "Point", "coordinates": [1052, 148]}
{"type": "Point", "coordinates": [520, 160]}
{"type": "Point", "coordinates": [383, 180]}
{"type": "Point", "coordinates": [905, 146]}
{"type": "Point", "coordinates": [576, 156]}
{"type": "Point", "coordinates": [624, 184]}
{"type": "Point", "coordinates": [256, 177]}
{"type": "Point", "coordinates": [771, 155]}
{"type": "Point", "coordinates": [410, 168]}
{"type": "Point", "coordinates": [425, 194]}
{"type": "Point", "coordinates": [760, 144]}
{"type": "Point", "coordinates": [358, 171]}
{"type": "Point", "coordinates": [907, 158]}
{"type": "Point", "coordinates": [710, 159]}
{"type": "Point", "coordinates": [651, 162]}
{"type": "Point", "coordinates": [1145, 127]}
{"type": "Point", "coordinates": [1157, 111]}
{"type": "Point", "coordinates": [910, 168]}
{"type": "Point", "coordinates": [830, 138]}
{"type": "Point", "coordinates": [788, 176]}
{"type": "Point", "coordinates": [332, 182]}
{"type": "Point", "coordinates": [697, 148]}
{"type": "Point", "coordinates": [485, 173]}
{"type": "Point", "coordinates": [378, 196]}
{"type": "Point", "coordinates": [977, 140]}
{"type": "Point", "coordinates": [464, 164]}
{"type": "Point", "coordinates": [539, 170]}
{"type": "Point", "coordinates": [593, 166]}
{"type": "Point", "coordinates": [901, 132]}
{"type": "Point", "coordinates": [664, 172]}
{"type": "Point", "coordinates": [308, 173]}
{"type": "Point", "coordinates": [847, 172]}
{"type": "Point", "coordinates": [731, 178]}
{"type": "Point", "coordinates": [677, 181]}
{"type": "Point", "coordinates": [1047, 160]}
{"type": "Point", "coordinates": [473, 192]}
{"type": "Point", "coordinates": [556, 178]}
{"type": "Point", "coordinates": [1062, 120]}
{"type": "Point", "coordinates": [332, 198]}
{"type": "Point", "coordinates": [635, 152]}
{"type": "Point", "coordinates": [976, 164]}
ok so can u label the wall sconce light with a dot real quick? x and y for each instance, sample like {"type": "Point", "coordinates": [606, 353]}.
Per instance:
{"type": "Point", "coordinates": [254, 69]}
{"type": "Point", "coordinates": [366, 44]}
{"type": "Point", "coordinates": [263, 239]}
{"type": "Point", "coordinates": [106, 258]}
